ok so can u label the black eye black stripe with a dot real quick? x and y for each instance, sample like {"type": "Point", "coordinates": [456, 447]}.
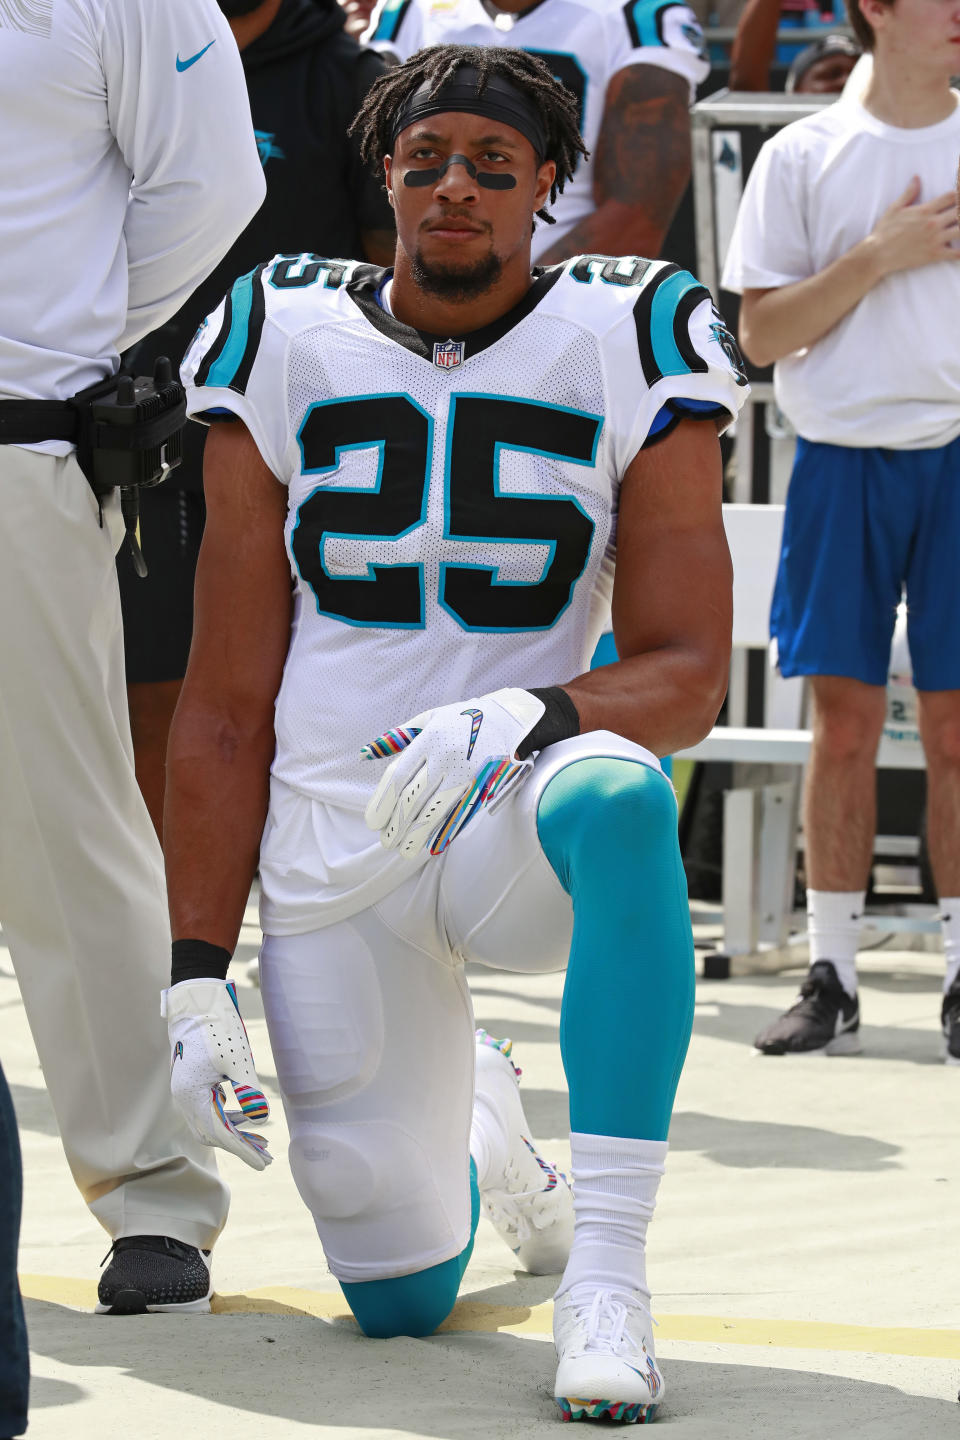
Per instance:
{"type": "Point", "coordinates": [417, 178]}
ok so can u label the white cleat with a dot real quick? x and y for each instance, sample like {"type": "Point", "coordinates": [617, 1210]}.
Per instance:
{"type": "Point", "coordinates": [607, 1369]}
{"type": "Point", "coordinates": [530, 1205]}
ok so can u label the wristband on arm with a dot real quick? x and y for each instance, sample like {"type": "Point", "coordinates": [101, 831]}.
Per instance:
{"type": "Point", "coordinates": [198, 960]}
{"type": "Point", "coordinates": [560, 721]}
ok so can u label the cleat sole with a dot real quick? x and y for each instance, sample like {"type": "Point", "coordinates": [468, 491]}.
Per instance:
{"type": "Point", "coordinates": [132, 1302]}
{"type": "Point", "coordinates": [617, 1412]}
{"type": "Point", "coordinates": [839, 1045]}
{"type": "Point", "coordinates": [125, 1302]}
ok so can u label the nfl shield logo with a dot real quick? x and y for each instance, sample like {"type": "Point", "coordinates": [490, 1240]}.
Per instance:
{"type": "Point", "coordinates": [448, 354]}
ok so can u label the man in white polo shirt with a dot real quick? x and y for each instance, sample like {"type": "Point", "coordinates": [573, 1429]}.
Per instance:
{"type": "Point", "coordinates": [846, 251]}
{"type": "Point", "coordinates": [128, 166]}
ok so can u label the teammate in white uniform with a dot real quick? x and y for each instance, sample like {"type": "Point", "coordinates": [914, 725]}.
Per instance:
{"type": "Point", "coordinates": [120, 119]}
{"type": "Point", "coordinates": [447, 459]}
{"type": "Point", "coordinates": [633, 68]}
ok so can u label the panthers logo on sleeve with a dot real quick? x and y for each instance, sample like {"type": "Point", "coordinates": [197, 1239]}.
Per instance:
{"type": "Point", "coordinates": [725, 339]}
{"type": "Point", "coordinates": [685, 362]}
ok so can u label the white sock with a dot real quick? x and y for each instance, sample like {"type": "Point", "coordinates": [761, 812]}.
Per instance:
{"type": "Point", "coordinates": [833, 927]}
{"type": "Point", "coordinates": [615, 1185]}
{"type": "Point", "coordinates": [950, 925]}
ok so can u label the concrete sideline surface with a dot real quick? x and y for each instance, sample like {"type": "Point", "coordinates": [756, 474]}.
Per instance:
{"type": "Point", "coordinates": [801, 1259]}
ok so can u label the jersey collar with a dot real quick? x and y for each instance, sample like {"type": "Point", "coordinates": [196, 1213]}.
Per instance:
{"type": "Point", "coordinates": [518, 15]}
{"type": "Point", "coordinates": [366, 282]}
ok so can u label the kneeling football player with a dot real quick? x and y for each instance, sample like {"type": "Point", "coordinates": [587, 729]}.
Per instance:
{"type": "Point", "coordinates": [461, 462]}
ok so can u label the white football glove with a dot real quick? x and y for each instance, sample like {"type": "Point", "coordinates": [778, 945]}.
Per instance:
{"type": "Point", "coordinates": [450, 763]}
{"type": "Point", "coordinates": [209, 1044]}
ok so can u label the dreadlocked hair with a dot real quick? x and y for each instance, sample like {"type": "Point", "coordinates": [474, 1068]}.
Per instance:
{"type": "Point", "coordinates": [375, 122]}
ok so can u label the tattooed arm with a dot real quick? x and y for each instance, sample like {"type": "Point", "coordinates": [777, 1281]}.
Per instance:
{"type": "Point", "coordinates": [641, 167]}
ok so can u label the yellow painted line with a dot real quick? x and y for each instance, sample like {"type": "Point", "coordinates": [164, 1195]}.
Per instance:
{"type": "Point", "coordinates": [59, 1290]}
{"type": "Point", "coordinates": [812, 1335]}
{"type": "Point", "coordinates": [477, 1317]}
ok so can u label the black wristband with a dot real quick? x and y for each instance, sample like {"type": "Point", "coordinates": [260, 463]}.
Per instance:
{"type": "Point", "coordinates": [198, 960]}
{"type": "Point", "coordinates": [560, 721]}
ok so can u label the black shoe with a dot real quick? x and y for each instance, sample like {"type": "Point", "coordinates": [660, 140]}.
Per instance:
{"type": "Point", "coordinates": [154, 1272]}
{"type": "Point", "coordinates": [824, 1021]}
{"type": "Point", "coordinates": [950, 1023]}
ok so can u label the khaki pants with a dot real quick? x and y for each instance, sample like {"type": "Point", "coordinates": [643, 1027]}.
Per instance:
{"type": "Point", "coordinates": [82, 901]}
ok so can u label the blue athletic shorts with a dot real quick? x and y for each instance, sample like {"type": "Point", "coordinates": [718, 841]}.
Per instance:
{"type": "Point", "coordinates": [860, 525]}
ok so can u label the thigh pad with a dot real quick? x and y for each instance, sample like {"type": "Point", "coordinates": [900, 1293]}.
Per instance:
{"type": "Point", "coordinates": [373, 1040]}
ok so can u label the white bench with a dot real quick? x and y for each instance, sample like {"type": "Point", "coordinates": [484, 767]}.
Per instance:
{"type": "Point", "coordinates": [760, 820]}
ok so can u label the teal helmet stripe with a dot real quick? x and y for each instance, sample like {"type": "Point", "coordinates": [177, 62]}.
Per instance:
{"type": "Point", "coordinates": [225, 367]}
{"type": "Point", "coordinates": [666, 302]}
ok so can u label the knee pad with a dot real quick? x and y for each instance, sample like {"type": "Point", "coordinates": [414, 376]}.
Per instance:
{"type": "Point", "coordinates": [379, 1208]}
{"type": "Point", "coordinates": [605, 807]}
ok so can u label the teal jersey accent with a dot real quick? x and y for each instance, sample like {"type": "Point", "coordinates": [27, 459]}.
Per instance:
{"type": "Point", "coordinates": [643, 21]}
{"type": "Point", "coordinates": [668, 296]}
{"type": "Point", "coordinates": [225, 367]}
{"type": "Point", "coordinates": [391, 19]}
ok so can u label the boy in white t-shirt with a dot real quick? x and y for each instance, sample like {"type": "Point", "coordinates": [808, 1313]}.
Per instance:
{"type": "Point", "coordinates": [844, 251]}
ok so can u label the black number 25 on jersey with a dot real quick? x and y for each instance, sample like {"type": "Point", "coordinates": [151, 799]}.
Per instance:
{"type": "Point", "coordinates": [479, 427]}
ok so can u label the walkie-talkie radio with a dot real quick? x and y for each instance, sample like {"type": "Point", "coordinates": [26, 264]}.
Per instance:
{"type": "Point", "coordinates": [128, 433]}
{"type": "Point", "coordinates": [131, 435]}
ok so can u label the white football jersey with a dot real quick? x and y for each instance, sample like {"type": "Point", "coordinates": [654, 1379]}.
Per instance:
{"type": "Point", "coordinates": [585, 43]}
{"type": "Point", "coordinates": [451, 524]}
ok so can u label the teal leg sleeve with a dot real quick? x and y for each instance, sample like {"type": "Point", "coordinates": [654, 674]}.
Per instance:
{"type": "Point", "coordinates": [413, 1304]}
{"type": "Point", "coordinates": [609, 829]}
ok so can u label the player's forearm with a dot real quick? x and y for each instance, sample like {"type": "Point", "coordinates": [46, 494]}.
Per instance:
{"type": "Point", "coordinates": [664, 700]}
{"type": "Point", "coordinates": [642, 167]}
{"type": "Point", "coordinates": [775, 323]}
{"type": "Point", "coordinates": [218, 778]}
{"type": "Point", "coordinates": [754, 44]}
{"type": "Point", "coordinates": [619, 229]}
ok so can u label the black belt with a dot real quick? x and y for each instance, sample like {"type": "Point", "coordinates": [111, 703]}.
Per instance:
{"type": "Point", "coordinates": [29, 422]}
{"type": "Point", "coordinates": [128, 433]}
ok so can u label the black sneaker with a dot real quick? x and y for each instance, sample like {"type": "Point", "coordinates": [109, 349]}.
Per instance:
{"type": "Point", "coordinates": [154, 1273]}
{"type": "Point", "coordinates": [950, 1023]}
{"type": "Point", "coordinates": [824, 1021]}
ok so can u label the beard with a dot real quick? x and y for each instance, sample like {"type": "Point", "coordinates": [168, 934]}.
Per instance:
{"type": "Point", "coordinates": [453, 282]}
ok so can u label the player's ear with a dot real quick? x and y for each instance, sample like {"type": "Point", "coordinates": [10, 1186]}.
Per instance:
{"type": "Point", "coordinates": [545, 178]}
{"type": "Point", "coordinates": [387, 171]}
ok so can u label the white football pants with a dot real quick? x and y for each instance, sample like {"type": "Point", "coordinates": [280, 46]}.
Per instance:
{"type": "Point", "coordinates": [371, 1028]}
{"type": "Point", "coordinates": [82, 901]}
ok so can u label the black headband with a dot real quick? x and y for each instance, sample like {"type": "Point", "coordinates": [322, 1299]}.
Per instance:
{"type": "Point", "coordinates": [499, 100]}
